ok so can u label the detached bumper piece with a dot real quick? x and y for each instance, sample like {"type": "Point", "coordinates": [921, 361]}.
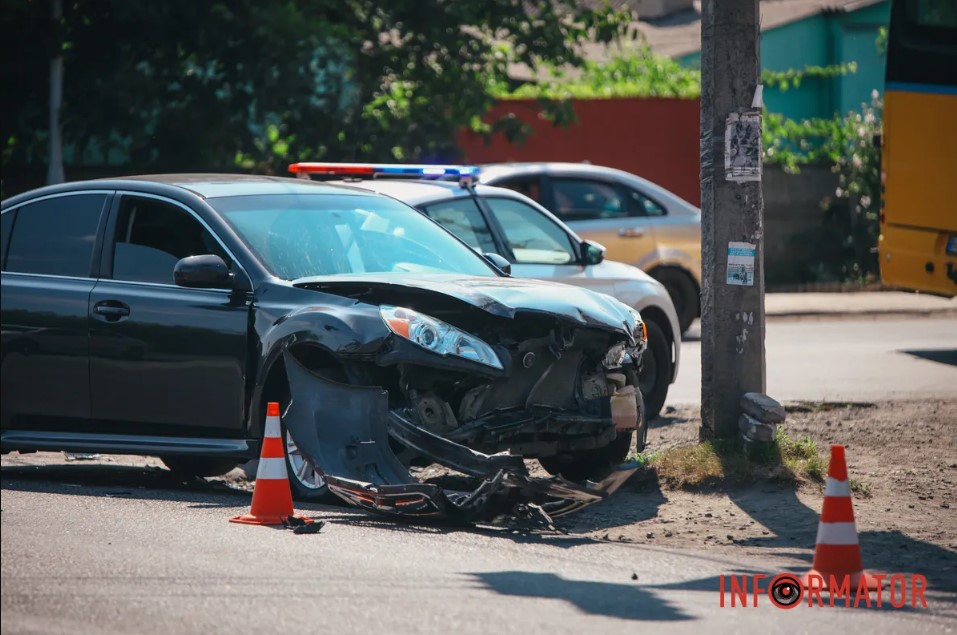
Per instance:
{"type": "Point", "coordinates": [347, 429]}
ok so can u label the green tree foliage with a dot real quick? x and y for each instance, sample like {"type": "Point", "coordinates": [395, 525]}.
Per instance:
{"type": "Point", "coordinates": [180, 84]}
{"type": "Point", "coordinates": [638, 74]}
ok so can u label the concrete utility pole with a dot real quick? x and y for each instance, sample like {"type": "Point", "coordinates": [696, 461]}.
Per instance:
{"type": "Point", "coordinates": [732, 235]}
{"type": "Point", "coordinates": [55, 168]}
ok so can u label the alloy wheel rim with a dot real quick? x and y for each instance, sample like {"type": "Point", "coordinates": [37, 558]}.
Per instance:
{"type": "Point", "coordinates": [303, 470]}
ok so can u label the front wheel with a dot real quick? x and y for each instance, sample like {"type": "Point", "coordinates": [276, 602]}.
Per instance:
{"type": "Point", "coordinates": [305, 481]}
{"type": "Point", "coordinates": [594, 465]}
{"type": "Point", "coordinates": [657, 367]}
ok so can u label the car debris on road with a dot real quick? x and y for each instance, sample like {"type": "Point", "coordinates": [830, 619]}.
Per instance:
{"type": "Point", "coordinates": [347, 429]}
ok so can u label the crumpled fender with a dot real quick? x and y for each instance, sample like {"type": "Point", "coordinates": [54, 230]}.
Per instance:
{"type": "Point", "coordinates": [344, 330]}
{"type": "Point", "coordinates": [341, 329]}
{"type": "Point", "coordinates": [345, 430]}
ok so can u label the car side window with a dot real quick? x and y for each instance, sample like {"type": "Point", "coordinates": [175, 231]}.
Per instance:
{"type": "Point", "coordinates": [6, 226]}
{"type": "Point", "coordinates": [56, 236]}
{"type": "Point", "coordinates": [152, 236]}
{"type": "Point", "coordinates": [462, 217]}
{"type": "Point", "coordinates": [586, 199]}
{"type": "Point", "coordinates": [533, 237]}
{"type": "Point", "coordinates": [529, 186]}
{"type": "Point", "coordinates": [641, 205]}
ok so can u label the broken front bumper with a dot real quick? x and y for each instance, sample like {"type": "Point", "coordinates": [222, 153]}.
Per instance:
{"type": "Point", "coordinates": [346, 430]}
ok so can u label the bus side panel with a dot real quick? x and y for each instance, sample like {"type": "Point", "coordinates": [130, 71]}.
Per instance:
{"type": "Point", "coordinates": [905, 254]}
{"type": "Point", "coordinates": [920, 195]}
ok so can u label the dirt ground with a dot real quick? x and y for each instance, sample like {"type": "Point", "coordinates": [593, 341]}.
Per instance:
{"type": "Point", "coordinates": [904, 454]}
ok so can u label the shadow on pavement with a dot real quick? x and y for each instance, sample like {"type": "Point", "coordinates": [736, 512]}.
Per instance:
{"type": "Point", "coordinates": [517, 535]}
{"type": "Point", "coordinates": [131, 482]}
{"type": "Point", "coordinates": [121, 480]}
{"type": "Point", "coordinates": [636, 501]}
{"type": "Point", "coordinates": [666, 419]}
{"type": "Point", "coordinates": [624, 601]}
{"type": "Point", "coordinates": [940, 356]}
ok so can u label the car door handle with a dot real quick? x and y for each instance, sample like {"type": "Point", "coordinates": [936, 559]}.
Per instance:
{"type": "Point", "coordinates": [631, 232]}
{"type": "Point", "coordinates": [111, 310]}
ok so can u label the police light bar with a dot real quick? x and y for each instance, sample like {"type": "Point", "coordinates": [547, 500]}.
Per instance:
{"type": "Point", "coordinates": [374, 169]}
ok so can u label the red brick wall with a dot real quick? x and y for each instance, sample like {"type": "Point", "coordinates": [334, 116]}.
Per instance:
{"type": "Point", "coordinates": [657, 139]}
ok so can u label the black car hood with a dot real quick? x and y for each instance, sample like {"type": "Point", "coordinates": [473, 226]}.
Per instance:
{"type": "Point", "coordinates": [503, 297]}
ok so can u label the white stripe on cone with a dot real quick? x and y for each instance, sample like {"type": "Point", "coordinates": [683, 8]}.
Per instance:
{"type": "Point", "coordinates": [271, 468]}
{"type": "Point", "coordinates": [272, 428]}
{"type": "Point", "coordinates": [835, 487]}
{"type": "Point", "coordinates": [836, 534]}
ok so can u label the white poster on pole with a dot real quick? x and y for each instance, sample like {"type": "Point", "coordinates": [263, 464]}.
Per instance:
{"type": "Point", "coordinates": [742, 147]}
{"type": "Point", "coordinates": [741, 263]}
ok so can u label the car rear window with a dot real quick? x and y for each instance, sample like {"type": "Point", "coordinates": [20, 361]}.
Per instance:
{"type": "Point", "coordinates": [56, 236]}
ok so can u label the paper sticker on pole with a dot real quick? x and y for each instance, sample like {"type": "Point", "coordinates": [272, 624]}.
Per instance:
{"type": "Point", "coordinates": [741, 263]}
{"type": "Point", "coordinates": [742, 147]}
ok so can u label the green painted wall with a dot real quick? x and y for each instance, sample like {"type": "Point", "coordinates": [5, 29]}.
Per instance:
{"type": "Point", "coordinates": [821, 40]}
{"type": "Point", "coordinates": [856, 34]}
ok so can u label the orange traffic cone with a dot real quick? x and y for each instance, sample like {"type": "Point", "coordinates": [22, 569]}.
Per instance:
{"type": "Point", "coordinates": [837, 553]}
{"type": "Point", "coordinates": [272, 498]}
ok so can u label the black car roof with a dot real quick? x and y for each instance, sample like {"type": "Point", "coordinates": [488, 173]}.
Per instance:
{"type": "Point", "coordinates": [202, 185]}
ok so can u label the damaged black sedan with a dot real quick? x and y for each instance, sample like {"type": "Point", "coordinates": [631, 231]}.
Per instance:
{"type": "Point", "coordinates": [158, 315]}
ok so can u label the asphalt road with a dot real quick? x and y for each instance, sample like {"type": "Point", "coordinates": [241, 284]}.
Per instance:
{"type": "Point", "coordinates": [140, 555]}
{"type": "Point", "coordinates": [860, 359]}
{"type": "Point", "coordinates": [114, 549]}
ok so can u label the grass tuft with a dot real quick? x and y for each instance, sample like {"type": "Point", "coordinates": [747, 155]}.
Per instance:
{"type": "Point", "coordinates": [720, 462]}
{"type": "Point", "coordinates": [860, 488]}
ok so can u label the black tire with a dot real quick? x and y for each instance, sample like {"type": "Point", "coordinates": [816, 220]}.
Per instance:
{"type": "Point", "coordinates": [594, 465]}
{"type": "Point", "coordinates": [196, 466]}
{"type": "Point", "coordinates": [657, 368]}
{"type": "Point", "coordinates": [684, 294]}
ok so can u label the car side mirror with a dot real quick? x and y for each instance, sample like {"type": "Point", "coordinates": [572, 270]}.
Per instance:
{"type": "Point", "coordinates": [202, 272]}
{"type": "Point", "coordinates": [592, 253]}
{"type": "Point", "coordinates": [500, 263]}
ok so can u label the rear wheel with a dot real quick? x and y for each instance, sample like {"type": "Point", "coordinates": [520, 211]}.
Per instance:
{"type": "Point", "coordinates": [191, 466]}
{"type": "Point", "coordinates": [683, 291]}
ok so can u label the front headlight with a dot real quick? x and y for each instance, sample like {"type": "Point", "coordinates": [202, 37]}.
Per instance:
{"type": "Point", "coordinates": [437, 336]}
{"type": "Point", "coordinates": [640, 333]}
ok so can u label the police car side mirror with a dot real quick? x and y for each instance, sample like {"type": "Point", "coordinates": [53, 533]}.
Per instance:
{"type": "Point", "coordinates": [499, 263]}
{"type": "Point", "coordinates": [592, 253]}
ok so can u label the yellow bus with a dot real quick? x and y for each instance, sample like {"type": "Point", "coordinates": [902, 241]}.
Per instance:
{"type": "Point", "coordinates": [918, 220]}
